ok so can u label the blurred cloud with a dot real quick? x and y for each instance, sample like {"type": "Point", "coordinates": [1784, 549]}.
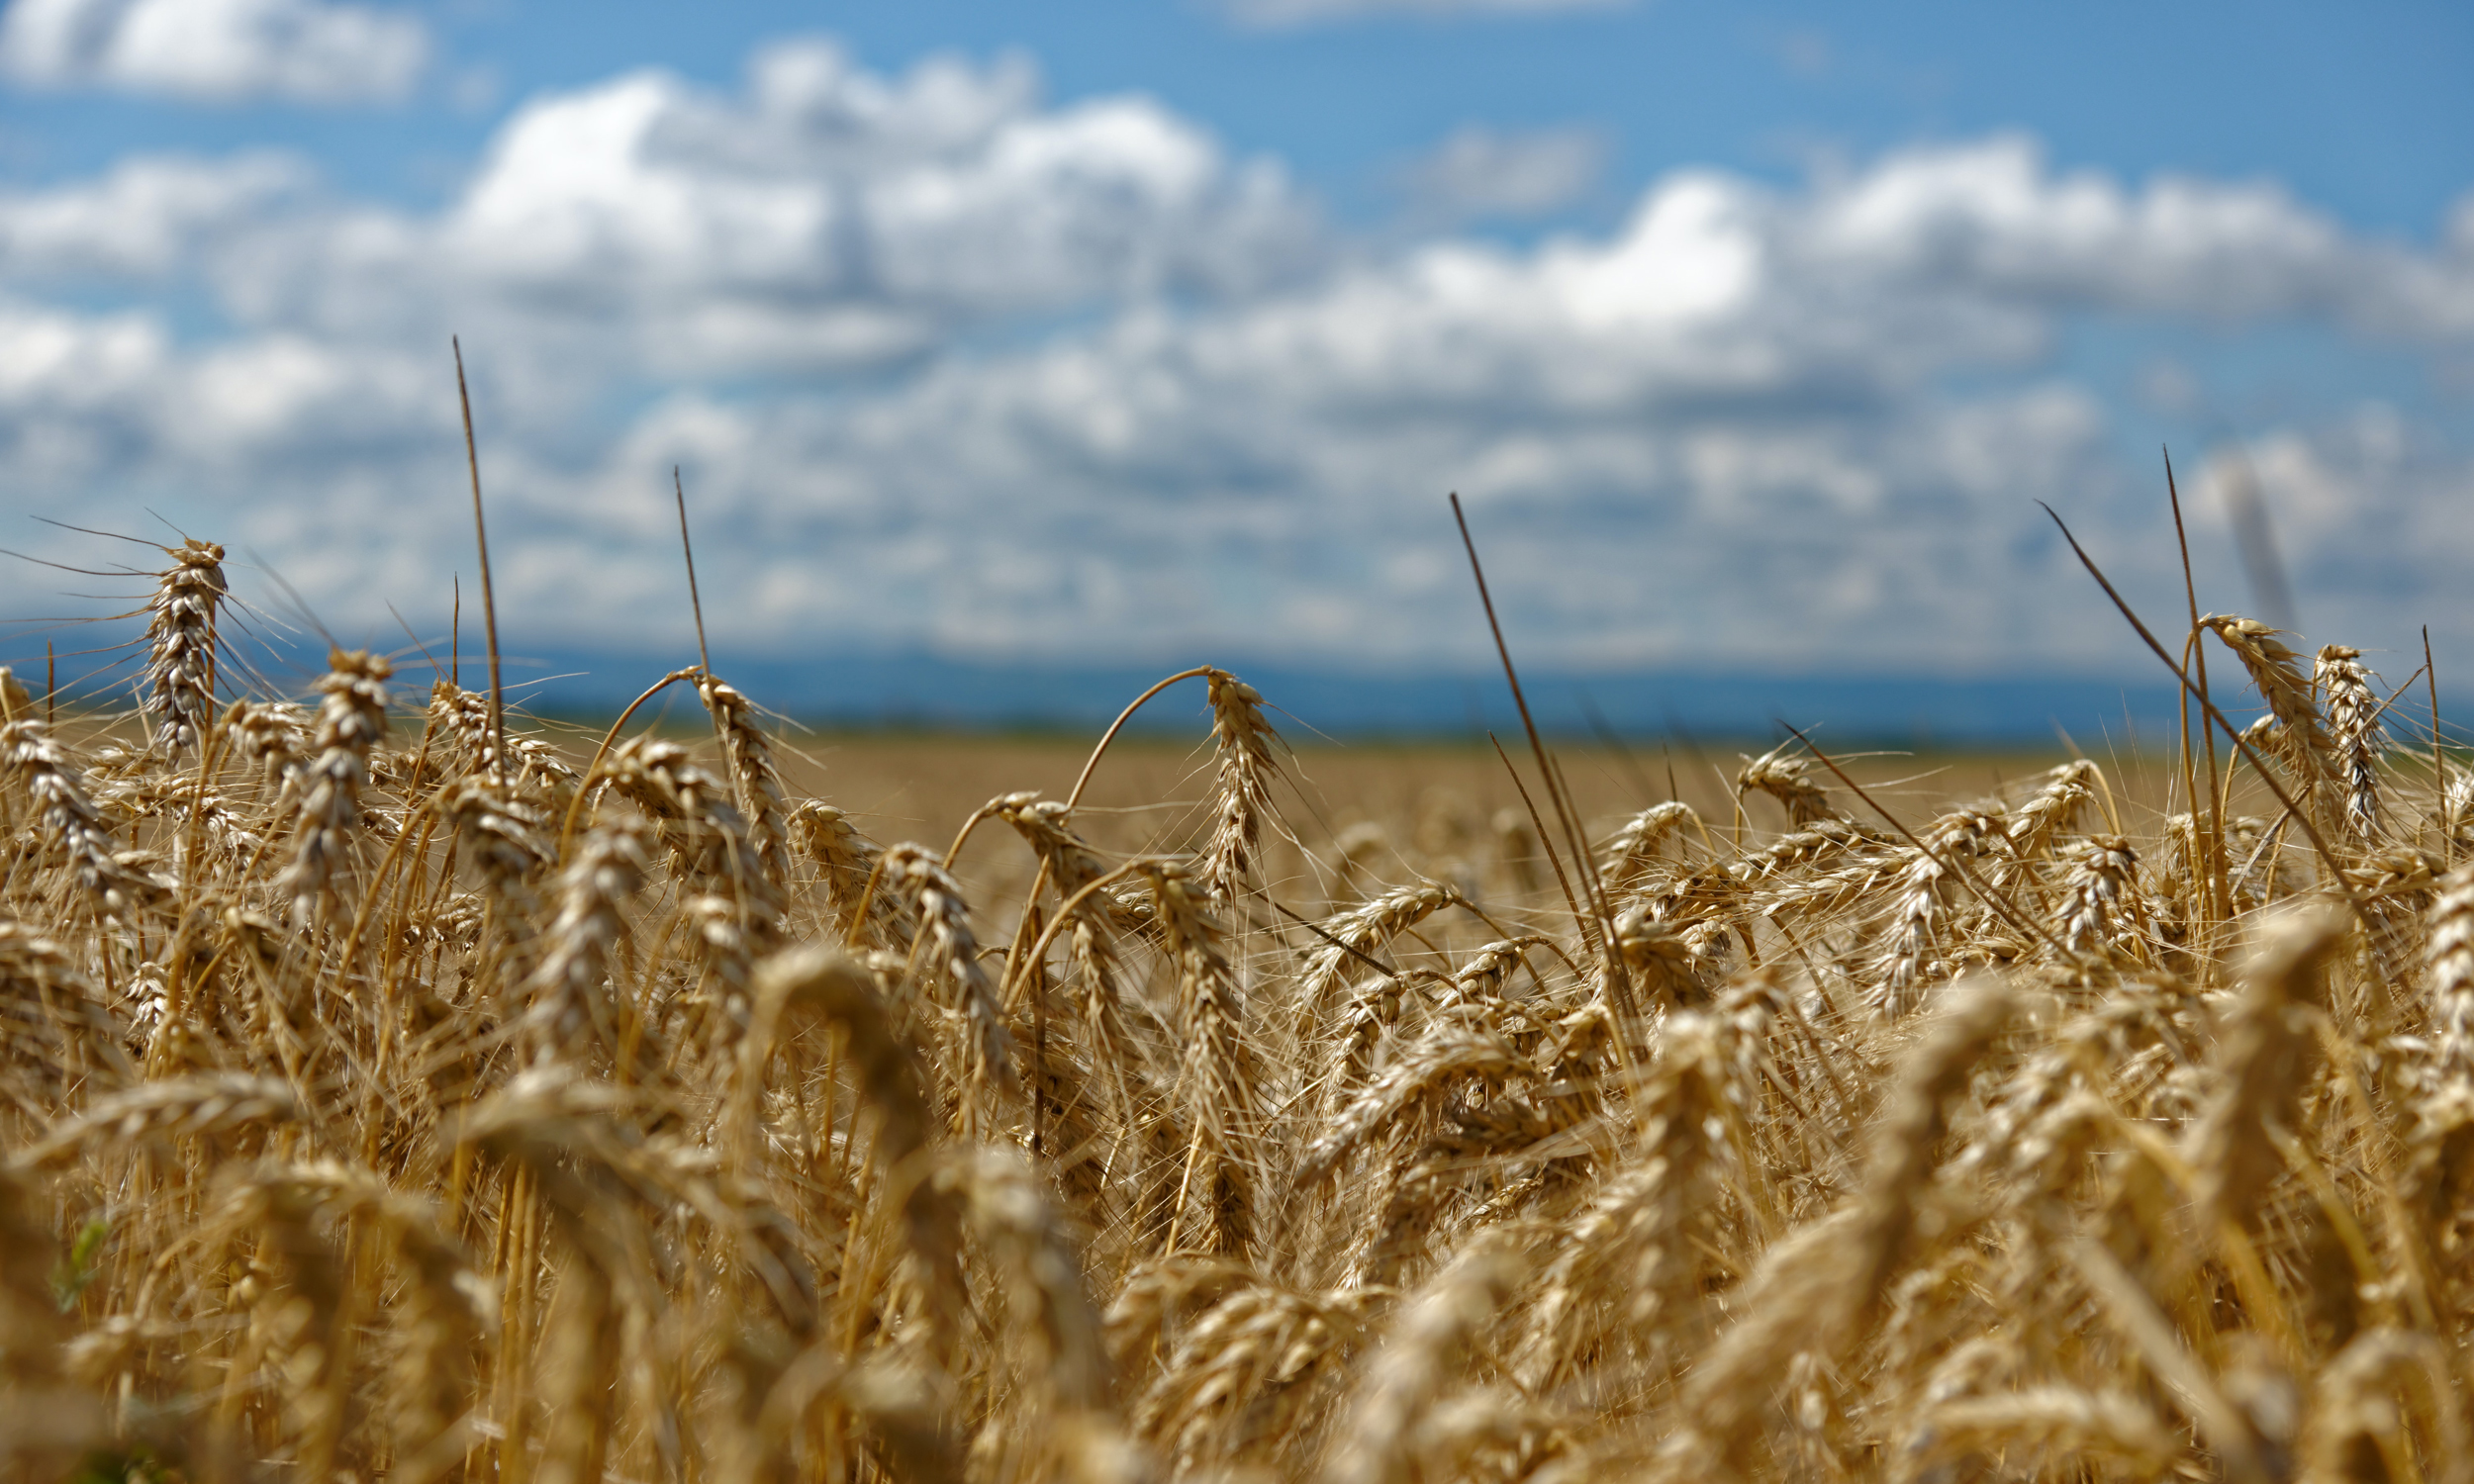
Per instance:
{"type": "Point", "coordinates": [146, 218]}
{"type": "Point", "coordinates": [1478, 172]}
{"type": "Point", "coordinates": [217, 50]}
{"type": "Point", "coordinates": [947, 363]}
{"type": "Point", "coordinates": [824, 218]}
{"type": "Point", "coordinates": [1280, 13]}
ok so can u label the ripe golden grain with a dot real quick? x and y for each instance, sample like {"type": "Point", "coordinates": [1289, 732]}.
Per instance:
{"type": "Point", "coordinates": [377, 1104]}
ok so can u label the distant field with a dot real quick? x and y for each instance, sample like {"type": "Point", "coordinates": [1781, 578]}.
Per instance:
{"type": "Point", "coordinates": [923, 786]}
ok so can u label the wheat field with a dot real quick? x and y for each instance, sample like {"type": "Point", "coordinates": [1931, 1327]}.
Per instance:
{"type": "Point", "coordinates": [395, 1088]}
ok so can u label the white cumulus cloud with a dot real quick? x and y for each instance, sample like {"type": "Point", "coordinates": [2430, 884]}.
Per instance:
{"type": "Point", "coordinates": [947, 363]}
{"type": "Point", "coordinates": [826, 216]}
{"type": "Point", "coordinates": [217, 50]}
{"type": "Point", "coordinates": [147, 217]}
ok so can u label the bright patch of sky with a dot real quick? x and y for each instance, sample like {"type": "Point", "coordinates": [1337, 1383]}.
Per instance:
{"type": "Point", "coordinates": [1751, 333]}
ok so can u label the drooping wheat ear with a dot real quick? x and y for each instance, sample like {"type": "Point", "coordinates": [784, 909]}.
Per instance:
{"type": "Point", "coordinates": [1072, 865]}
{"type": "Point", "coordinates": [752, 769]}
{"type": "Point", "coordinates": [1249, 758]}
{"type": "Point", "coordinates": [463, 715]}
{"type": "Point", "coordinates": [2260, 1061]}
{"type": "Point", "coordinates": [565, 1002]}
{"type": "Point", "coordinates": [502, 835]}
{"type": "Point", "coordinates": [2449, 954]}
{"type": "Point", "coordinates": [180, 644]}
{"type": "Point", "coordinates": [1447, 1057]}
{"type": "Point", "coordinates": [72, 822]}
{"type": "Point", "coordinates": [1668, 960]}
{"type": "Point", "coordinates": [1215, 1079]}
{"type": "Point", "coordinates": [1157, 1300]}
{"type": "Point", "coordinates": [2297, 740]}
{"type": "Point", "coordinates": [2396, 885]}
{"type": "Point", "coordinates": [1813, 1290]}
{"type": "Point", "coordinates": [350, 722]}
{"type": "Point", "coordinates": [845, 861]}
{"type": "Point", "coordinates": [936, 901]}
{"type": "Point", "coordinates": [2454, 813]}
{"type": "Point", "coordinates": [2042, 1425]}
{"type": "Point", "coordinates": [1484, 974]}
{"type": "Point", "coordinates": [719, 933]}
{"type": "Point", "coordinates": [818, 980]}
{"type": "Point", "coordinates": [2036, 826]}
{"type": "Point", "coordinates": [2356, 1421]}
{"type": "Point", "coordinates": [201, 1104]}
{"type": "Point", "coordinates": [1926, 892]}
{"type": "Point", "coordinates": [706, 834]}
{"type": "Point", "coordinates": [1624, 1263]}
{"type": "Point", "coordinates": [579, 1363]}
{"type": "Point", "coordinates": [1348, 938]}
{"type": "Point", "coordinates": [1972, 1014]}
{"type": "Point", "coordinates": [1244, 1368]}
{"type": "Point", "coordinates": [445, 1307]}
{"type": "Point", "coordinates": [590, 1168]}
{"type": "Point", "coordinates": [1382, 1438]}
{"type": "Point", "coordinates": [440, 1307]}
{"type": "Point", "coordinates": [1782, 778]}
{"type": "Point", "coordinates": [274, 734]}
{"type": "Point", "coordinates": [2103, 876]}
{"type": "Point", "coordinates": [1374, 1011]}
{"type": "Point", "coordinates": [311, 1328]}
{"type": "Point", "coordinates": [2354, 726]}
{"type": "Point", "coordinates": [1053, 1328]}
{"type": "Point", "coordinates": [52, 1022]}
{"type": "Point", "coordinates": [1043, 825]}
{"type": "Point", "coordinates": [1643, 836]}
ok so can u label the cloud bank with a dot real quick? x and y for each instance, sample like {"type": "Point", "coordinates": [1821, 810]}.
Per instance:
{"type": "Point", "coordinates": [217, 50]}
{"type": "Point", "coordinates": [946, 363]}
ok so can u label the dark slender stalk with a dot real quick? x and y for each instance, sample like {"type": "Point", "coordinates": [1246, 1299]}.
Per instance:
{"type": "Point", "coordinates": [2207, 737]}
{"type": "Point", "coordinates": [1363, 956]}
{"type": "Point", "coordinates": [1545, 842]}
{"type": "Point", "coordinates": [704, 656]}
{"type": "Point", "coordinates": [1617, 978]}
{"type": "Point", "coordinates": [489, 598]}
{"type": "Point", "coordinates": [1084, 780]}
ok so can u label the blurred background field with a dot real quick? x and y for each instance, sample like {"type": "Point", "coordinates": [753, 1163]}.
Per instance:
{"type": "Point", "coordinates": [1374, 810]}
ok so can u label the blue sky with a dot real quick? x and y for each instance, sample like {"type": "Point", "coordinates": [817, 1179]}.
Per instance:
{"type": "Point", "coordinates": [1751, 333]}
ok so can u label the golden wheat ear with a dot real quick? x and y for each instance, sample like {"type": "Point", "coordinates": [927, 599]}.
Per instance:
{"type": "Point", "coordinates": [351, 721]}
